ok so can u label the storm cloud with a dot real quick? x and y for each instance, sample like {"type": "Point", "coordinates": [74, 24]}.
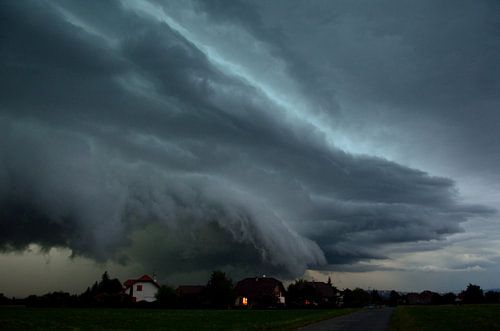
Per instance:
{"type": "Point", "coordinates": [128, 134]}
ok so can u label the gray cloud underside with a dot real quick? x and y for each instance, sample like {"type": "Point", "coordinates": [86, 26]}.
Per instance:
{"type": "Point", "coordinates": [423, 73]}
{"type": "Point", "coordinates": [120, 139]}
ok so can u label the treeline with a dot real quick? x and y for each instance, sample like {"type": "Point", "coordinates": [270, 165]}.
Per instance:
{"type": "Point", "coordinates": [104, 293]}
{"type": "Point", "coordinates": [472, 294]}
{"type": "Point", "coordinates": [219, 292]}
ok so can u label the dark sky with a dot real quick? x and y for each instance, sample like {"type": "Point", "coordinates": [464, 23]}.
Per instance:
{"type": "Point", "coordinates": [358, 139]}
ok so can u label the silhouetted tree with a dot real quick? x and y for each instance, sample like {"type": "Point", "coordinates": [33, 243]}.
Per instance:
{"type": "Point", "coordinates": [107, 292]}
{"type": "Point", "coordinates": [52, 299]}
{"type": "Point", "coordinates": [86, 298]}
{"type": "Point", "coordinates": [94, 287]}
{"type": "Point", "coordinates": [219, 290]}
{"type": "Point", "coordinates": [4, 300]}
{"type": "Point", "coordinates": [109, 286]}
{"type": "Point", "coordinates": [473, 294]}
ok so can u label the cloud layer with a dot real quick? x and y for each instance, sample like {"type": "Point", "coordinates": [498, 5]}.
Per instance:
{"type": "Point", "coordinates": [126, 134]}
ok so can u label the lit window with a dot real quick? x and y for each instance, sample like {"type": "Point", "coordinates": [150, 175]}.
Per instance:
{"type": "Point", "coordinates": [138, 288]}
{"type": "Point", "coordinates": [244, 301]}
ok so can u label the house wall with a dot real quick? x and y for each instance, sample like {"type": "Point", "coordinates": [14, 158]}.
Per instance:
{"type": "Point", "coordinates": [147, 294]}
{"type": "Point", "coordinates": [279, 295]}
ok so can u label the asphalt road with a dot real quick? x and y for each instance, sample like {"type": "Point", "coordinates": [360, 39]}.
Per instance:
{"type": "Point", "coordinates": [376, 319]}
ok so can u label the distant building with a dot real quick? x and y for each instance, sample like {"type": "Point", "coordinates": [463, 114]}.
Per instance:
{"type": "Point", "coordinates": [189, 290]}
{"type": "Point", "coordinates": [413, 299]}
{"type": "Point", "coordinates": [190, 295]}
{"type": "Point", "coordinates": [312, 294]}
{"type": "Point", "coordinates": [141, 289]}
{"type": "Point", "coordinates": [424, 298]}
{"type": "Point", "coordinates": [262, 292]}
{"type": "Point", "coordinates": [324, 293]}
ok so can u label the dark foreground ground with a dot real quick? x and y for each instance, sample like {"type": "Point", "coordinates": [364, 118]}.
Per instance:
{"type": "Point", "coordinates": [408, 318]}
{"type": "Point", "coordinates": [142, 319]}
{"type": "Point", "coordinates": [376, 319]}
{"type": "Point", "coordinates": [443, 318]}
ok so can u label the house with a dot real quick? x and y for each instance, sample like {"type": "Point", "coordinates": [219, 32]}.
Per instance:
{"type": "Point", "coordinates": [413, 299]}
{"type": "Point", "coordinates": [427, 297]}
{"type": "Point", "coordinates": [324, 293]}
{"type": "Point", "coordinates": [262, 292]}
{"type": "Point", "coordinates": [141, 289]}
{"type": "Point", "coordinates": [424, 298]}
{"type": "Point", "coordinates": [311, 294]}
{"type": "Point", "coordinates": [190, 295]}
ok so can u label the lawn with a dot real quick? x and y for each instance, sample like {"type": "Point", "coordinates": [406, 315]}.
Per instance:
{"type": "Point", "coordinates": [465, 317]}
{"type": "Point", "coordinates": [137, 319]}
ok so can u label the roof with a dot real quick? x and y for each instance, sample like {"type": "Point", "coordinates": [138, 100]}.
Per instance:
{"type": "Point", "coordinates": [258, 286]}
{"type": "Point", "coordinates": [143, 279]}
{"type": "Point", "coordinates": [189, 289]}
{"type": "Point", "coordinates": [323, 289]}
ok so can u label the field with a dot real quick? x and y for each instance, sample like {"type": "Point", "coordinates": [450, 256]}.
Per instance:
{"type": "Point", "coordinates": [136, 319]}
{"type": "Point", "coordinates": [465, 317]}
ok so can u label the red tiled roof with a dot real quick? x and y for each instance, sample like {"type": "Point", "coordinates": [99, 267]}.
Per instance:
{"type": "Point", "coordinates": [323, 289]}
{"type": "Point", "coordinates": [143, 278]}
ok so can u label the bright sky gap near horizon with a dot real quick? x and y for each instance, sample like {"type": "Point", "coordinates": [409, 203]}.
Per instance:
{"type": "Point", "coordinates": [353, 139]}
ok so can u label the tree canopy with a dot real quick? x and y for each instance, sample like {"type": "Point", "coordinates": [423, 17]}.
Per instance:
{"type": "Point", "coordinates": [219, 290]}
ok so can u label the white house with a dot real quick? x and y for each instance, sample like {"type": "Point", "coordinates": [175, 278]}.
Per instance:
{"type": "Point", "coordinates": [142, 289]}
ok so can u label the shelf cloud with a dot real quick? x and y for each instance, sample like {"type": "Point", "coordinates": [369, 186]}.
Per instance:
{"type": "Point", "coordinates": [127, 134]}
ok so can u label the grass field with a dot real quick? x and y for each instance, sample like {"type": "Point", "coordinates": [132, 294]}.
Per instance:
{"type": "Point", "coordinates": [136, 319]}
{"type": "Point", "coordinates": [466, 317]}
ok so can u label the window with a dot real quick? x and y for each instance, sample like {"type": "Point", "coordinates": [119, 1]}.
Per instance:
{"type": "Point", "coordinates": [138, 288]}
{"type": "Point", "coordinates": [244, 301]}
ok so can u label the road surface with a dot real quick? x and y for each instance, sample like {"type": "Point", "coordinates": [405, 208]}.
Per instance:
{"type": "Point", "coordinates": [376, 319]}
